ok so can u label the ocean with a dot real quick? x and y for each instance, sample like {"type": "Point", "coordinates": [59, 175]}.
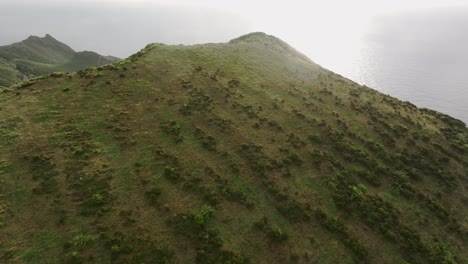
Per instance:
{"type": "Point", "coordinates": [417, 57]}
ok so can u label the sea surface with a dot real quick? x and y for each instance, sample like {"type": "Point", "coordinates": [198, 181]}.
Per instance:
{"type": "Point", "coordinates": [416, 57]}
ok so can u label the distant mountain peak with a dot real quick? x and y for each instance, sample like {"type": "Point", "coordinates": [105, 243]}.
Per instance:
{"type": "Point", "coordinates": [49, 37]}
{"type": "Point", "coordinates": [269, 41]}
{"type": "Point", "coordinates": [45, 39]}
{"type": "Point", "coordinates": [254, 36]}
{"type": "Point", "coordinates": [40, 55]}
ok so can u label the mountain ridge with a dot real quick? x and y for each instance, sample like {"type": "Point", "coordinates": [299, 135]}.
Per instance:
{"type": "Point", "coordinates": [40, 55]}
{"type": "Point", "coordinates": [226, 153]}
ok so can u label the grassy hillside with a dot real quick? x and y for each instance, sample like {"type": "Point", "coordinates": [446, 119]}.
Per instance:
{"type": "Point", "coordinates": [36, 56]}
{"type": "Point", "coordinates": [242, 152]}
{"type": "Point", "coordinates": [8, 74]}
{"type": "Point", "coordinates": [84, 59]}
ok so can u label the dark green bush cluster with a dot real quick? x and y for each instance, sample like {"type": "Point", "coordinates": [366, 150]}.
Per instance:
{"type": "Point", "coordinates": [334, 225]}
{"type": "Point", "coordinates": [441, 254]}
{"type": "Point", "coordinates": [233, 83]}
{"type": "Point", "coordinates": [247, 109]}
{"type": "Point", "coordinates": [231, 193]}
{"type": "Point", "coordinates": [315, 138]}
{"type": "Point", "coordinates": [274, 190]}
{"type": "Point", "coordinates": [223, 124]}
{"type": "Point", "coordinates": [161, 155]}
{"type": "Point", "coordinates": [89, 73]}
{"type": "Point", "coordinates": [42, 169]}
{"type": "Point", "coordinates": [378, 213]}
{"type": "Point", "coordinates": [402, 185]}
{"type": "Point", "coordinates": [375, 146]}
{"type": "Point", "coordinates": [208, 142]}
{"type": "Point", "coordinates": [343, 195]}
{"type": "Point", "coordinates": [436, 207]}
{"type": "Point", "coordinates": [352, 152]}
{"type": "Point", "coordinates": [141, 53]}
{"type": "Point", "coordinates": [186, 84]}
{"type": "Point", "coordinates": [426, 161]}
{"type": "Point", "coordinates": [335, 136]}
{"type": "Point", "coordinates": [291, 158]}
{"type": "Point", "coordinates": [97, 199]}
{"type": "Point", "coordinates": [28, 83]}
{"type": "Point", "coordinates": [58, 74]}
{"type": "Point", "coordinates": [367, 175]}
{"type": "Point", "coordinates": [152, 195]}
{"type": "Point", "coordinates": [172, 173]}
{"type": "Point", "coordinates": [381, 215]}
{"type": "Point", "coordinates": [84, 151]}
{"type": "Point", "coordinates": [293, 211]}
{"type": "Point", "coordinates": [331, 159]}
{"type": "Point", "coordinates": [397, 129]}
{"type": "Point", "coordinates": [295, 141]}
{"type": "Point", "coordinates": [275, 124]}
{"type": "Point", "coordinates": [136, 250]}
{"type": "Point", "coordinates": [193, 223]}
{"type": "Point", "coordinates": [385, 137]}
{"type": "Point", "coordinates": [198, 101]}
{"type": "Point", "coordinates": [277, 234]}
{"type": "Point", "coordinates": [208, 245]}
{"type": "Point", "coordinates": [172, 128]}
{"type": "Point", "coordinates": [411, 240]}
{"type": "Point", "coordinates": [83, 240]}
{"type": "Point", "coordinates": [274, 233]}
{"type": "Point", "coordinates": [231, 163]}
{"type": "Point", "coordinates": [256, 157]}
{"type": "Point", "coordinates": [196, 185]}
{"type": "Point", "coordinates": [316, 157]}
{"type": "Point", "coordinates": [91, 188]}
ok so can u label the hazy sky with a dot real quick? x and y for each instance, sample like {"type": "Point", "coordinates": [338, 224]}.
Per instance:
{"type": "Point", "coordinates": [122, 27]}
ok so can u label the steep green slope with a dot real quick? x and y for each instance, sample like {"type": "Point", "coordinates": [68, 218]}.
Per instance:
{"type": "Point", "coordinates": [84, 59]}
{"type": "Point", "coordinates": [36, 56]}
{"type": "Point", "coordinates": [243, 152]}
{"type": "Point", "coordinates": [8, 74]}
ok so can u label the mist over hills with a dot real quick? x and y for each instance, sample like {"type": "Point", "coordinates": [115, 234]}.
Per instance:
{"type": "Point", "coordinates": [35, 56]}
{"type": "Point", "coordinates": [238, 152]}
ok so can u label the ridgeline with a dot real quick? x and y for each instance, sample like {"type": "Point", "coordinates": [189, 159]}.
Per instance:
{"type": "Point", "coordinates": [36, 56]}
{"type": "Point", "coordinates": [240, 152]}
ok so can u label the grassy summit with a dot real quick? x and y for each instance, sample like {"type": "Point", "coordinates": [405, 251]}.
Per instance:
{"type": "Point", "coordinates": [242, 152]}
{"type": "Point", "coordinates": [36, 56]}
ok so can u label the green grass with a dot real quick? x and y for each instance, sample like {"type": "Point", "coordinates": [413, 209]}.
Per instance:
{"type": "Point", "coordinates": [8, 74]}
{"type": "Point", "coordinates": [129, 158]}
{"type": "Point", "coordinates": [32, 256]}
{"type": "Point", "coordinates": [123, 179]}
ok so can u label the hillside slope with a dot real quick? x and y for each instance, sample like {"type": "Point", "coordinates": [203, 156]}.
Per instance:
{"type": "Point", "coordinates": [36, 56]}
{"type": "Point", "coordinates": [241, 152]}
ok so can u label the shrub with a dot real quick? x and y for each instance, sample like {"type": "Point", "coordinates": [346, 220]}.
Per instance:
{"type": "Point", "coordinates": [172, 128]}
{"type": "Point", "coordinates": [293, 211]}
{"type": "Point", "coordinates": [97, 199]}
{"type": "Point", "coordinates": [172, 174]}
{"type": "Point", "coordinates": [152, 195]}
{"type": "Point", "coordinates": [83, 240]}
{"type": "Point", "coordinates": [204, 215]}
{"type": "Point", "coordinates": [277, 234]}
